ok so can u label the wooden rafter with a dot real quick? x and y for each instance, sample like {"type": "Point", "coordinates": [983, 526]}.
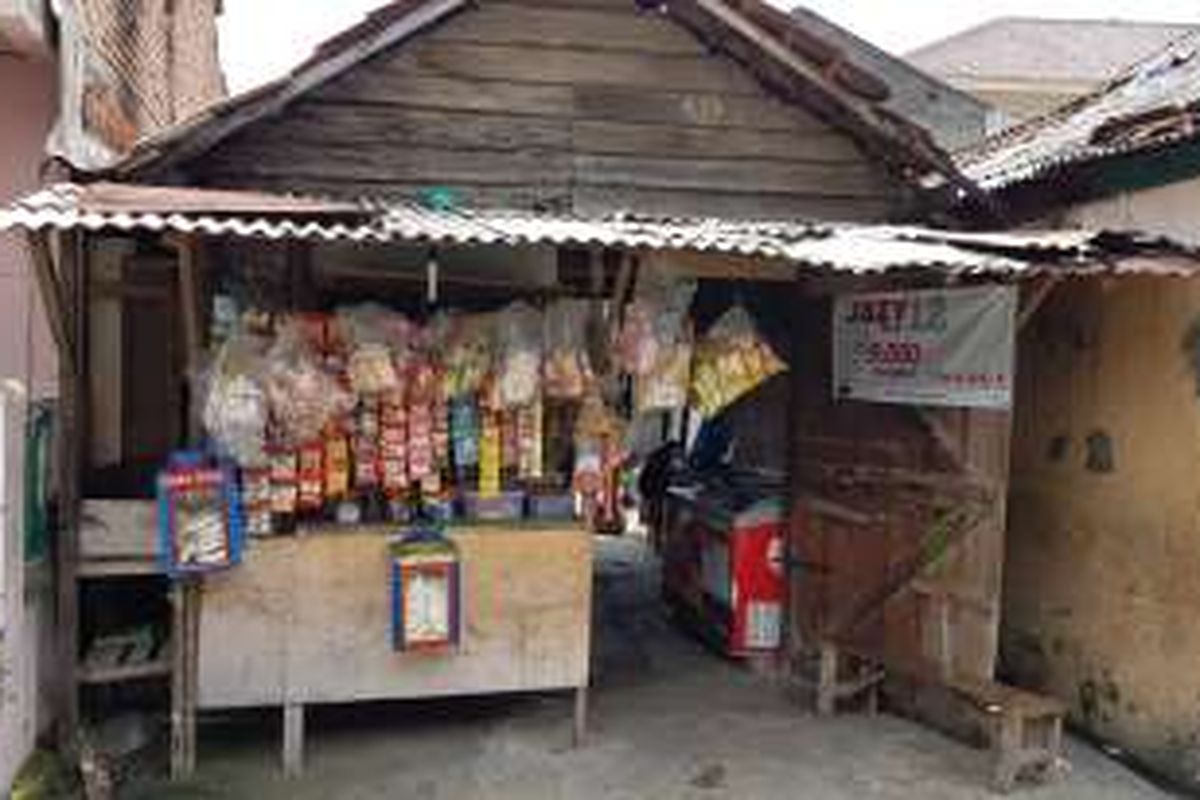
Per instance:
{"type": "Point", "coordinates": [53, 297]}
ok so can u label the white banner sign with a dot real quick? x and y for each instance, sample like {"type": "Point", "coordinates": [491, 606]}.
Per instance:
{"type": "Point", "coordinates": [939, 347]}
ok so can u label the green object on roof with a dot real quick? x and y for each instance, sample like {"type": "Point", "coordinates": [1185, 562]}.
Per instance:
{"type": "Point", "coordinates": [438, 198]}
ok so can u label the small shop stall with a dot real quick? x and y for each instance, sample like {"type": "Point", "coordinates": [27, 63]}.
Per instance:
{"type": "Point", "coordinates": [377, 483]}
{"type": "Point", "coordinates": [392, 500]}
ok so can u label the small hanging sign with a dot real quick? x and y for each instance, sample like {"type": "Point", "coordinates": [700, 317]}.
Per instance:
{"type": "Point", "coordinates": [199, 515]}
{"type": "Point", "coordinates": [425, 593]}
{"type": "Point", "coordinates": [940, 347]}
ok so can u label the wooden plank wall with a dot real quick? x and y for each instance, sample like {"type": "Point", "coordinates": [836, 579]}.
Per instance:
{"type": "Point", "coordinates": [871, 482]}
{"type": "Point", "coordinates": [584, 105]}
{"type": "Point", "coordinates": [278, 629]}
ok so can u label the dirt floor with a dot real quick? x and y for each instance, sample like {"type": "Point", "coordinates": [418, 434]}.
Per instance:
{"type": "Point", "coordinates": [669, 720]}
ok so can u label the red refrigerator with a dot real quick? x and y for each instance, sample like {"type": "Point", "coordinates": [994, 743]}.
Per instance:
{"type": "Point", "coordinates": [723, 564]}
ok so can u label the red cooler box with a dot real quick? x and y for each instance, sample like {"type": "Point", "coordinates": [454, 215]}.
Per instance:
{"type": "Point", "coordinates": [723, 565]}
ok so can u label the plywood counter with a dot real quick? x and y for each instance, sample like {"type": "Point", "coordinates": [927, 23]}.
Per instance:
{"type": "Point", "coordinates": [305, 619]}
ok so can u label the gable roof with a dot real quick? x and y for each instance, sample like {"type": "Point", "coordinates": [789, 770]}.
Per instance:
{"type": "Point", "coordinates": [763, 39]}
{"type": "Point", "coordinates": [1153, 104]}
{"type": "Point", "coordinates": [1046, 50]}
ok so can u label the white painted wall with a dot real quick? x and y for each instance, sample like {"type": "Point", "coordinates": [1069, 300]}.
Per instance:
{"type": "Point", "coordinates": [1172, 210]}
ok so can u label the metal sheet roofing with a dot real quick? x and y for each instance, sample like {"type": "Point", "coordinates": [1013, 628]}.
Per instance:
{"type": "Point", "coordinates": [845, 248]}
{"type": "Point", "coordinates": [1071, 51]}
{"type": "Point", "coordinates": [1153, 104]}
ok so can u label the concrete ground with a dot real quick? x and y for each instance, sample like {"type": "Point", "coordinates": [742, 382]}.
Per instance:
{"type": "Point", "coordinates": [669, 720]}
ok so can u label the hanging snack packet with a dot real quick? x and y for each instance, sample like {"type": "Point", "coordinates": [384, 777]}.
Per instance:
{"type": "Point", "coordinates": [464, 434]}
{"type": "Point", "coordinates": [489, 454]}
{"type": "Point", "coordinates": [366, 445]}
{"type": "Point", "coordinates": [519, 368]}
{"type": "Point", "coordinates": [731, 360]}
{"type": "Point", "coordinates": [567, 370]}
{"type": "Point", "coordinates": [284, 486]}
{"type": "Point", "coordinates": [467, 353]}
{"type": "Point", "coordinates": [311, 477]}
{"type": "Point", "coordinates": [304, 397]}
{"type": "Point", "coordinates": [337, 467]}
{"type": "Point", "coordinates": [529, 441]}
{"type": "Point", "coordinates": [393, 444]}
{"type": "Point", "coordinates": [235, 410]}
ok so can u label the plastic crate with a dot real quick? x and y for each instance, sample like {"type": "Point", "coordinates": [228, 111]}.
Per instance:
{"type": "Point", "coordinates": [552, 506]}
{"type": "Point", "coordinates": [504, 507]}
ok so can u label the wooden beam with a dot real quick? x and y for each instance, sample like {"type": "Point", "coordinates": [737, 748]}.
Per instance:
{"type": "Point", "coordinates": [51, 290]}
{"type": "Point", "coordinates": [299, 260]}
{"type": "Point", "coordinates": [191, 296]}
{"type": "Point", "coordinates": [1037, 296]}
{"type": "Point", "coordinates": [720, 266]}
{"type": "Point", "coordinates": [190, 283]}
{"type": "Point", "coordinates": [935, 546]}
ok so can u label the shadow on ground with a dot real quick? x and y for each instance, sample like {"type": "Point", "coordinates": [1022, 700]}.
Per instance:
{"type": "Point", "coordinates": [669, 720]}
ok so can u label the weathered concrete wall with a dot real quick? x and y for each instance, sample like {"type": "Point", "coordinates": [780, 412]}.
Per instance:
{"type": "Point", "coordinates": [1168, 210]}
{"type": "Point", "coordinates": [1102, 580]}
{"type": "Point", "coordinates": [26, 348]}
{"type": "Point", "coordinates": [27, 368]}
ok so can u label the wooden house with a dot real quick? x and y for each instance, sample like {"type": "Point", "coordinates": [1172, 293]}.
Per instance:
{"type": "Point", "coordinates": [697, 108]}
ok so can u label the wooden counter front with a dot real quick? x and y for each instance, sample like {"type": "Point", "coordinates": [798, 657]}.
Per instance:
{"type": "Point", "coordinates": [306, 619]}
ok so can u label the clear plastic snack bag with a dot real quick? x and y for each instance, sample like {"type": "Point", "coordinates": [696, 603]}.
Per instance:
{"type": "Point", "coordinates": [567, 370]}
{"type": "Point", "coordinates": [235, 411]}
{"type": "Point", "coordinates": [519, 367]}
{"type": "Point", "coordinates": [303, 396]}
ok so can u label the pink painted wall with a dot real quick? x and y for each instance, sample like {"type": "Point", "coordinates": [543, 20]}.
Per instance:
{"type": "Point", "coordinates": [27, 368]}
{"type": "Point", "coordinates": [26, 348]}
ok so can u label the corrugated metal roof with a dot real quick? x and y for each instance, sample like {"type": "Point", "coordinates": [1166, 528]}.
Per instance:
{"type": "Point", "coordinates": [844, 248]}
{"type": "Point", "coordinates": [130, 207]}
{"type": "Point", "coordinates": [1151, 105]}
{"type": "Point", "coordinates": [1087, 51]}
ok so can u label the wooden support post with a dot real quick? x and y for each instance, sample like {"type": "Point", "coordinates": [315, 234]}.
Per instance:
{"type": "Point", "coordinates": [293, 739]}
{"type": "Point", "coordinates": [71, 432]}
{"type": "Point", "coordinates": [185, 629]}
{"type": "Point", "coordinates": [178, 690]}
{"type": "Point", "coordinates": [192, 594]}
{"type": "Point", "coordinates": [827, 679]}
{"type": "Point", "coordinates": [188, 592]}
{"type": "Point", "coordinates": [1008, 751]}
{"type": "Point", "coordinates": [299, 259]}
{"type": "Point", "coordinates": [580, 720]}
{"type": "Point", "coordinates": [192, 310]}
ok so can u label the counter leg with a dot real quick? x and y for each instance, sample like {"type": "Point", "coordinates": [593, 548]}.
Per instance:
{"type": "Point", "coordinates": [178, 682]}
{"type": "Point", "coordinates": [827, 680]}
{"type": "Point", "coordinates": [293, 739]}
{"type": "Point", "coordinates": [581, 702]}
{"type": "Point", "coordinates": [185, 600]}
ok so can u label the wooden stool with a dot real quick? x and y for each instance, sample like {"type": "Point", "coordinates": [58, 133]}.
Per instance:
{"type": "Point", "coordinates": [1025, 730]}
{"type": "Point", "coordinates": [843, 676]}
